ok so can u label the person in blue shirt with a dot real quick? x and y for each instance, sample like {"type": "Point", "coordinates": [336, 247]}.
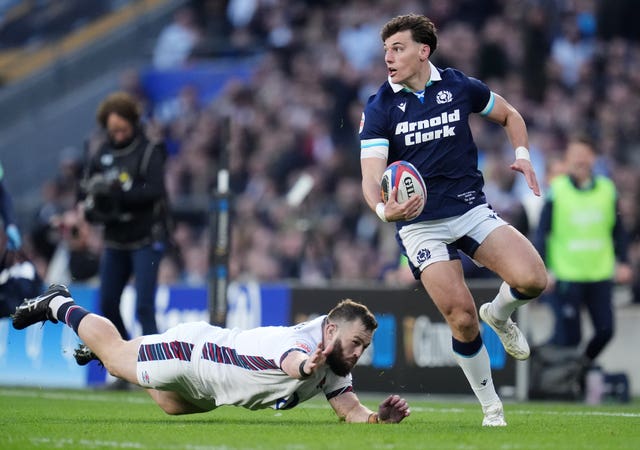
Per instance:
{"type": "Point", "coordinates": [420, 114]}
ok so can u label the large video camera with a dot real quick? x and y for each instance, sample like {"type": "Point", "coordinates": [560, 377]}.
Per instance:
{"type": "Point", "coordinates": [102, 202]}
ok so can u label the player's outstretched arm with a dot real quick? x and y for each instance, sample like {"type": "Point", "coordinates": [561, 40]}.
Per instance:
{"type": "Point", "coordinates": [300, 365]}
{"type": "Point", "coordinates": [348, 407]}
{"type": "Point", "coordinates": [514, 125]}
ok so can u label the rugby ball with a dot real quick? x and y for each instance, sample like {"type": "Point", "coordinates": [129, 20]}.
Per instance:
{"type": "Point", "coordinates": [404, 176]}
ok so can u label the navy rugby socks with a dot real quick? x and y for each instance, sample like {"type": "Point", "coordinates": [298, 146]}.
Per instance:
{"type": "Point", "coordinates": [66, 311]}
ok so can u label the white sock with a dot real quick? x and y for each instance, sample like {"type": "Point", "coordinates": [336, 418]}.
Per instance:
{"type": "Point", "coordinates": [504, 304]}
{"type": "Point", "coordinates": [57, 302]}
{"type": "Point", "coordinates": [477, 369]}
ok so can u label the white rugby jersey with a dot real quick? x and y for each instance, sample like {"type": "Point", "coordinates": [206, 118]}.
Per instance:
{"type": "Point", "coordinates": [242, 367]}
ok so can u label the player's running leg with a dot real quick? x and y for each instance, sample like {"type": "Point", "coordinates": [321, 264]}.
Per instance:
{"type": "Point", "coordinates": [512, 338]}
{"type": "Point", "coordinates": [509, 254]}
{"type": "Point", "coordinates": [444, 281]}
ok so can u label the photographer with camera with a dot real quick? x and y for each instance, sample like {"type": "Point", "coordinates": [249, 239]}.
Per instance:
{"type": "Point", "coordinates": [124, 191]}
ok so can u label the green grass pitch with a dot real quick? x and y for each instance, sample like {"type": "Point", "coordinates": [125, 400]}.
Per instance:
{"type": "Point", "coordinates": [78, 419]}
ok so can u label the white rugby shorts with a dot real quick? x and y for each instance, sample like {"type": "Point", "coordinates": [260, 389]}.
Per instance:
{"type": "Point", "coordinates": [439, 240]}
{"type": "Point", "coordinates": [165, 361]}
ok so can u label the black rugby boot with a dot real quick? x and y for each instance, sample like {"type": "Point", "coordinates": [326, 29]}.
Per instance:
{"type": "Point", "coordinates": [34, 310]}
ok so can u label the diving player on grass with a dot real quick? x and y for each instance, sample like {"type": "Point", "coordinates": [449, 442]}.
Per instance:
{"type": "Point", "coordinates": [420, 114]}
{"type": "Point", "coordinates": [197, 367]}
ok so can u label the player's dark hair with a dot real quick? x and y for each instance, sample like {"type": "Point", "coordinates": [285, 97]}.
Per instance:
{"type": "Point", "coordinates": [349, 311]}
{"type": "Point", "coordinates": [423, 30]}
{"type": "Point", "coordinates": [122, 104]}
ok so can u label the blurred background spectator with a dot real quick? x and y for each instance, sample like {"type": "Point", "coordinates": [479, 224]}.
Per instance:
{"type": "Point", "coordinates": [7, 217]}
{"type": "Point", "coordinates": [584, 244]}
{"type": "Point", "coordinates": [177, 40]}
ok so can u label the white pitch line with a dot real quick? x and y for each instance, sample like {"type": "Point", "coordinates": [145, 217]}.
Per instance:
{"type": "Point", "coordinates": [581, 413]}
{"type": "Point", "coordinates": [141, 400]}
{"type": "Point", "coordinates": [71, 396]}
{"type": "Point", "coordinates": [509, 411]}
{"type": "Point", "coordinates": [99, 443]}
{"type": "Point", "coordinates": [530, 411]}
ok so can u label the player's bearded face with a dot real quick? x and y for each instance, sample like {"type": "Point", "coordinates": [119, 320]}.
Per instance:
{"type": "Point", "coordinates": [337, 361]}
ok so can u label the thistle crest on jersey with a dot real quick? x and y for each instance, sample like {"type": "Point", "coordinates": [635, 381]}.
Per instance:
{"type": "Point", "coordinates": [443, 97]}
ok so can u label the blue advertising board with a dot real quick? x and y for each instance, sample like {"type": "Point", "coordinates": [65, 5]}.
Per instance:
{"type": "Point", "coordinates": [208, 80]}
{"type": "Point", "coordinates": [42, 354]}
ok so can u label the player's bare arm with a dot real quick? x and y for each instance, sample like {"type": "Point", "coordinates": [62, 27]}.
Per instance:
{"type": "Point", "coordinates": [348, 407]}
{"type": "Point", "coordinates": [372, 170]}
{"type": "Point", "coordinates": [300, 365]}
{"type": "Point", "coordinates": [507, 116]}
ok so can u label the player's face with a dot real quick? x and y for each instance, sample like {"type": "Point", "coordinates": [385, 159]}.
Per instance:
{"type": "Point", "coordinates": [352, 340]}
{"type": "Point", "coordinates": [405, 59]}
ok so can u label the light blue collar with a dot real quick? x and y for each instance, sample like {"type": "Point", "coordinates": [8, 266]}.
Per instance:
{"type": "Point", "coordinates": [433, 77]}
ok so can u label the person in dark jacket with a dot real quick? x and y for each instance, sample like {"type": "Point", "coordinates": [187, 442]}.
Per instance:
{"type": "Point", "coordinates": [124, 190]}
{"type": "Point", "coordinates": [18, 277]}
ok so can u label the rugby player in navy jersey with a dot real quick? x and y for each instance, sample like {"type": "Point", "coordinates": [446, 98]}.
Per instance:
{"type": "Point", "coordinates": [420, 114]}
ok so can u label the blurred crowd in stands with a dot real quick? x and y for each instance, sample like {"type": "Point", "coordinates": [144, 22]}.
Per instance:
{"type": "Point", "coordinates": [567, 66]}
{"type": "Point", "coordinates": [36, 22]}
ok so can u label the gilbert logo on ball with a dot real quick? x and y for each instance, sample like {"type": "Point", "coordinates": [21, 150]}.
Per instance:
{"type": "Point", "coordinates": [405, 177]}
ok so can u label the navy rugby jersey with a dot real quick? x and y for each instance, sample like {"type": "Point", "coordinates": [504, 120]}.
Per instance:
{"type": "Point", "coordinates": [434, 136]}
